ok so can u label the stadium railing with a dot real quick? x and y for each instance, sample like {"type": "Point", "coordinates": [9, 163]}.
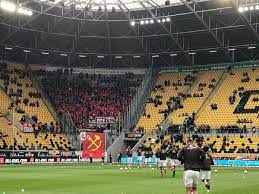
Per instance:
{"type": "Point", "coordinates": [137, 105]}
{"type": "Point", "coordinates": [70, 129]}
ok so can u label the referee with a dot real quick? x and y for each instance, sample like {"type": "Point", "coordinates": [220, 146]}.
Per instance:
{"type": "Point", "coordinates": [191, 156]}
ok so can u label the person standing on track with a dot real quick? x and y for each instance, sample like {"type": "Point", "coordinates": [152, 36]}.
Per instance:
{"type": "Point", "coordinates": [192, 157]}
{"type": "Point", "coordinates": [139, 159]}
{"type": "Point", "coordinates": [119, 158]}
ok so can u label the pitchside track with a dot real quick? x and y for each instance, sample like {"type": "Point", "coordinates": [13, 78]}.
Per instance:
{"type": "Point", "coordinates": [106, 179]}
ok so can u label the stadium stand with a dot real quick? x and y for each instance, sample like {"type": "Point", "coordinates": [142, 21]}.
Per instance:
{"type": "Point", "coordinates": [165, 97]}
{"type": "Point", "coordinates": [20, 98]}
{"type": "Point", "coordinates": [232, 143]}
{"type": "Point", "coordinates": [13, 138]}
{"type": "Point", "coordinates": [85, 96]}
{"type": "Point", "coordinates": [206, 82]}
{"type": "Point", "coordinates": [218, 111]}
{"type": "Point", "coordinates": [17, 84]}
{"type": "Point", "coordinates": [230, 99]}
{"type": "Point", "coordinates": [216, 106]}
{"type": "Point", "coordinates": [6, 138]}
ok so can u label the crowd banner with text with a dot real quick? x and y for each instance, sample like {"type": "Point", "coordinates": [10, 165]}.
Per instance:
{"type": "Point", "coordinates": [93, 146]}
{"type": "Point", "coordinates": [101, 120]}
{"type": "Point", "coordinates": [133, 136]}
{"type": "Point", "coordinates": [38, 160]}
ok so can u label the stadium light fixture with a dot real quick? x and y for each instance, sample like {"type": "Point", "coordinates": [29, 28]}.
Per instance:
{"type": "Point", "coordinates": [82, 56]}
{"type": "Point", "coordinates": [163, 20]}
{"type": "Point", "coordinates": [63, 54]}
{"type": "Point", "coordinates": [151, 21]}
{"type": "Point", "coordinates": [192, 53]}
{"type": "Point", "coordinates": [135, 57]}
{"type": "Point", "coordinates": [8, 6]}
{"type": "Point", "coordinates": [26, 51]}
{"type": "Point", "coordinates": [118, 57]}
{"type": "Point", "coordinates": [257, 7]}
{"type": "Point", "coordinates": [21, 10]}
{"type": "Point", "coordinates": [241, 9]}
{"type": "Point", "coordinates": [173, 55]}
{"type": "Point", "coordinates": [132, 23]}
{"type": "Point", "coordinates": [29, 12]}
{"type": "Point", "coordinates": [213, 51]}
{"type": "Point", "coordinates": [8, 48]}
{"type": "Point", "coordinates": [24, 11]}
{"type": "Point", "coordinates": [251, 8]}
{"type": "Point", "coordinates": [245, 8]}
{"type": "Point", "coordinates": [251, 47]}
{"type": "Point", "coordinates": [142, 22]}
{"type": "Point", "coordinates": [146, 21]}
{"type": "Point", "coordinates": [100, 56]}
{"type": "Point", "coordinates": [158, 21]}
{"type": "Point", "coordinates": [231, 49]}
{"type": "Point", "coordinates": [45, 53]}
{"type": "Point", "coordinates": [155, 56]}
{"type": "Point", "coordinates": [168, 19]}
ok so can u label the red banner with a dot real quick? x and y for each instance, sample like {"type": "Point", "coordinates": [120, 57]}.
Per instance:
{"type": "Point", "coordinates": [94, 145]}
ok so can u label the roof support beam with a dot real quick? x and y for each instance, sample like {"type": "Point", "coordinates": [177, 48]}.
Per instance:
{"type": "Point", "coordinates": [215, 37]}
{"type": "Point", "coordinates": [54, 26]}
{"type": "Point", "coordinates": [34, 17]}
{"type": "Point", "coordinates": [170, 34]}
{"type": "Point", "coordinates": [134, 31]}
{"type": "Point", "coordinates": [246, 21]}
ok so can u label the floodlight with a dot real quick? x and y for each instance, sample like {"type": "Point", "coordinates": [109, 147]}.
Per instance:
{"type": "Point", "coordinates": [241, 9]}
{"type": "Point", "coordinates": [8, 6]}
{"type": "Point", "coordinates": [132, 23]}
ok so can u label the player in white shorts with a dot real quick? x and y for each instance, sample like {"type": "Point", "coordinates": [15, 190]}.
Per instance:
{"type": "Point", "coordinates": [162, 162]}
{"type": "Point", "coordinates": [191, 179]}
{"type": "Point", "coordinates": [191, 156]}
{"type": "Point", "coordinates": [206, 168]}
{"type": "Point", "coordinates": [173, 161]}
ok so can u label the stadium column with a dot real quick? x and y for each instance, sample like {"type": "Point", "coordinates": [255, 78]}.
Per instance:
{"type": "Point", "coordinates": [107, 25]}
{"type": "Point", "coordinates": [69, 59]}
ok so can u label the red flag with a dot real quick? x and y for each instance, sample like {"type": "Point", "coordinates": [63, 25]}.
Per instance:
{"type": "Point", "coordinates": [94, 145]}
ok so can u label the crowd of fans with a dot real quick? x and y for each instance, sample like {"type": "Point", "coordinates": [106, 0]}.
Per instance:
{"type": "Point", "coordinates": [85, 95]}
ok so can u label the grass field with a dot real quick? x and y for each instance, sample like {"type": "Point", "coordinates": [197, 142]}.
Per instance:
{"type": "Point", "coordinates": [106, 179]}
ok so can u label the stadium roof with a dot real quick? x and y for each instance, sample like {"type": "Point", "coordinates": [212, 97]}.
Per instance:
{"type": "Point", "coordinates": [185, 32]}
{"type": "Point", "coordinates": [95, 5]}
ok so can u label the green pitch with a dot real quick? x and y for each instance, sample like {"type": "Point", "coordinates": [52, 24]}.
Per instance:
{"type": "Point", "coordinates": [106, 179]}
